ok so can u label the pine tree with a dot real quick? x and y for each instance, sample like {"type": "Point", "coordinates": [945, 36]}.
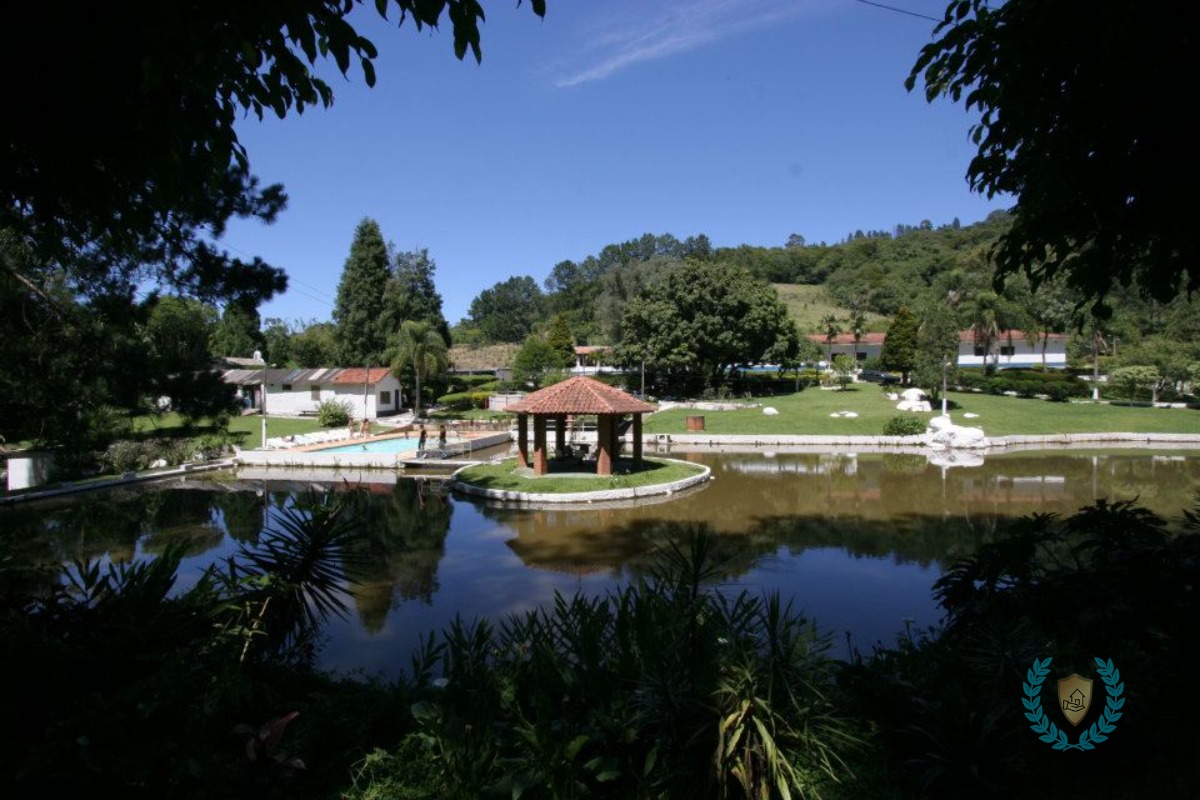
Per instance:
{"type": "Point", "coordinates": [411, 295]}
{"type": "Point", "coordinates": [361, 332]}
{"type": "Point", "coordinates": [561, 340]}
{"type": "Point", "coordinates": [900, 343]}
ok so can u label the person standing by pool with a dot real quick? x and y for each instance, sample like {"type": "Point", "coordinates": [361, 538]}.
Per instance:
{"type": "Point", "coordinates": [421, 439]}
{"type": "Point", "coordinates": [441, 437]}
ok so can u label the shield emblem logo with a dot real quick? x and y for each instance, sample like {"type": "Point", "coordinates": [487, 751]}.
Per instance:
{"type": "Point", "coordinates": [1075, 697]}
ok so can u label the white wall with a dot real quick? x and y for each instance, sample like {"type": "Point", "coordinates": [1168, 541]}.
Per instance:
{"type": "Point", "coordinates": [1023, 354]}
{"type": "Point", "coordinates": [300, 399]}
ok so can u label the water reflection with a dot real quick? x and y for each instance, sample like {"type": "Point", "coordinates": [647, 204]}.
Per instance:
{"type": "Point", "coordinates": [856, 538]}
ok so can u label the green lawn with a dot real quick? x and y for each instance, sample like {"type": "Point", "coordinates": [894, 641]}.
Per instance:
{"type": "Point", "coordinates": [808, 413]}
{"type": "Point", "coordinates": [502, 475]}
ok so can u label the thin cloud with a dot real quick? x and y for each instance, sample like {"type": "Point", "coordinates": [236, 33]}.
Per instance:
{"type": "Point", "coordinates": [659, 30]}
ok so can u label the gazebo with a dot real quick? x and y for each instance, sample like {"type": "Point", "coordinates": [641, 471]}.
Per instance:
{"type": "Point", "coordinates": [576, 396]}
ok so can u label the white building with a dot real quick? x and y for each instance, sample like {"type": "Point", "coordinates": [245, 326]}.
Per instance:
{"type": "Point", "coordinates": [298, 392]}
{"type": "Point", "coordinates": [1009, 349]}
{"type": "Point", "coordinates": [1013, 349]}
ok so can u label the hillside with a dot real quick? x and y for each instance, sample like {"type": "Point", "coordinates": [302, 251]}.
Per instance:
{"type": "Point", "coordinates": [807, 305]}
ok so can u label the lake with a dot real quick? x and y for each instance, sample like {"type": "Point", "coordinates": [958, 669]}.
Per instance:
{"type": "Point", "coordinates": [856, 540]}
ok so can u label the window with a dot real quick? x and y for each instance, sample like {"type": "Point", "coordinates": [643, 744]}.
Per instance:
{"type": "Point", "coordinates": [316, 391]}
{"type": "Point", "coordinates": [862, 356]}
{"type": "Point", "coordinates": [1008, 350]}
{"type": "Point", "coordinates": [385, 398]}
{"type": "Point", "coordinates": [979, 351]}
{"type": "Point", "coordinates": [287, 387]}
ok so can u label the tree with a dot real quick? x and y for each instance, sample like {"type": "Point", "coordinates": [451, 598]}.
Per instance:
{"type": "Point", "coordinates": [315, 346]}
{"type": "Point", "coordinates": [831, 326]}
{"type": "Point", "coordinates": [162, 155]}
{"type": "Point", "coordinates": [507, 311]}
{"type": "Point", "coordinates": [561, 341]}
{"type": "Point", "coordinates": [178, 362]}
{"type": "Point", "coordinates": [411, 294]}
{"type": "Point", "coordinates": [899, 351]}
{"type": "Point", "coordinates": [843, 368]}
{"type": "Point", "coordinates": [858, 327]}
{"type": "Point", "coordinates": [703, 317]}
{"type": "Point", "coordinates": [238, 334]}
{"type": "Point", "coordinates": [277, 342]}
{"type": "Point", "coordinates": [1076, 124]}
{"type": "Point", "coordinates": [362, 327]}
{"type": "Point", "coordinates": [421, 347]}
{"type": "Point", "coordinates": [1133, 380]}
{"type": "Point", "coordinates": [937, 348]}
{"type": "Point", "coordinates": [536, 360]}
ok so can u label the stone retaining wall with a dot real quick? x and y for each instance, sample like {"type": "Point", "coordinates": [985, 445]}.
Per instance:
{"type": "Point", "coordinates": [605, 495]}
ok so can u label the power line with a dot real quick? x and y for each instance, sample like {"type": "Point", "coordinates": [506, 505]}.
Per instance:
{"type": "Point", "coordinates": [899, 10]}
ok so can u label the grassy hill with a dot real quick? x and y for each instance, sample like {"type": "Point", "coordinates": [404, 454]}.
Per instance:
{"type": "Point", "coordinates": [481, 358]}
{"type": "Point", "coordinates": [808, 304]}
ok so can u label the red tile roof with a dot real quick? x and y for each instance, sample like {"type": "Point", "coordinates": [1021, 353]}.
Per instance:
{"type": "Point", "coordinates": [581, 395]}
{"type": "Point", "coordinates": [848, 338]}
{"type": "Point", "coordinates": [359, 375]}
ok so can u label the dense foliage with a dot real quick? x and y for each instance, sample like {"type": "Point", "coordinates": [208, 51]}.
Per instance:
{"type": "Point", "coordinates": [703, 318]}
{"type": "Point", "coordinates": [663, 689]}
{"type": "Point", "coordinates": [1075, 122]}
{"type": "Point", "coordinates": [1109, 581]}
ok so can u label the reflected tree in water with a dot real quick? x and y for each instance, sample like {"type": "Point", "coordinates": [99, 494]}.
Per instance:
{"type": "Point", "coordinates": [397, 555]}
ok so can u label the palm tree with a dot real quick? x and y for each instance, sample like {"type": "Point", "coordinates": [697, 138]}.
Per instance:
{"type": "Point", "coordinates": [986, 324]}
{"type": "Point", "coordinates": [858, 327]}
{"type": "Point", "coordinates": [832, 327]}
{"type": "Point", "coordinates": [421, 347]}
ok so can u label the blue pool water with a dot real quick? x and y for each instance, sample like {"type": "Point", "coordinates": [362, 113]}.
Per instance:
{"type": "Point", "coordinates": [381, 446]}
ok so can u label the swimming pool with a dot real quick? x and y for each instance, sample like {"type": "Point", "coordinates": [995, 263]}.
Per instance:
{"type": "Point", "coordinates": [400, 445]}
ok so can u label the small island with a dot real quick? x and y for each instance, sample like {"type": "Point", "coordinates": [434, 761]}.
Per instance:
{"type": "Point", "coordinates": [578, 472]}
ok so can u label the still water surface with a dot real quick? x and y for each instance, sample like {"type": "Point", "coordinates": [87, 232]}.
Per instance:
{"type": "Point", "coordinates": [856, 541]}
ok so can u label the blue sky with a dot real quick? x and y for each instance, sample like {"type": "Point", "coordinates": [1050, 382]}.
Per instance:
{"type": "Point", "coordinates": [746, 120]}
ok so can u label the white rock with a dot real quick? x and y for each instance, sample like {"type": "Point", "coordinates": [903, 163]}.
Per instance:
{"type": "Point", "coordinates": [158, 463]}
{"type": "Point", "coordinates": [943, 433]}
{"type": "Point", "coordinates": [849, 413]}
{"type": "Point", "coordinates": [912, 394]}
{"type": "Point", "coordinates": [771, 411]}
{"type": "Point", "coordinates": [969, 415]}
{"type": "Point", "coordinates": [914, 405]}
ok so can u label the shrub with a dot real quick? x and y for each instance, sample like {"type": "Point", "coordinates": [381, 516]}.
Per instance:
{"type": "Point", "coordinates": [126, 456]}
{"type": "Point", "coordinates": [464, 401]}
{"type": "Point", "coordinates": [630, 695]}
{"type": "Point", "coordinates": [904, 425]}
{"type": "Point", "coordinates": [211, 445]}
{"type": "Point", "coordinates": [333, 413]}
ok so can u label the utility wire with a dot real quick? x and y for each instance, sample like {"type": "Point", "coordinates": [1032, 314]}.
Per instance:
{"type": "Point", "coordinates": [899, 10]}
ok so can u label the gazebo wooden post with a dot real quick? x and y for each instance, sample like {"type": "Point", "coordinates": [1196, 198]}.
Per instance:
{"type": "Point", "coordinates": [616, 437]}
{"type": "Point", "coordinates": [560, 433]}
{"type": "Point", "coordinates": [604, 429]}
{"type": "Point", "coordinates": [523, 439]}
{"type": "Point", "coordinates": [539, 444]}
{"type": "Point", "coordinates": [637, 441]}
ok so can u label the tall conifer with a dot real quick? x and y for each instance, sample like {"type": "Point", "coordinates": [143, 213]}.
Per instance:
{"type": "Point", "coordinates": [361, 332]}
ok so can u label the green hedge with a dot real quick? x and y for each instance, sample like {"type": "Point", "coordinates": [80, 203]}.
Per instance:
{"type": "Point", "coordinates": [1057, 385]}
{"type": "Point", "coordinates": [464, 401]}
